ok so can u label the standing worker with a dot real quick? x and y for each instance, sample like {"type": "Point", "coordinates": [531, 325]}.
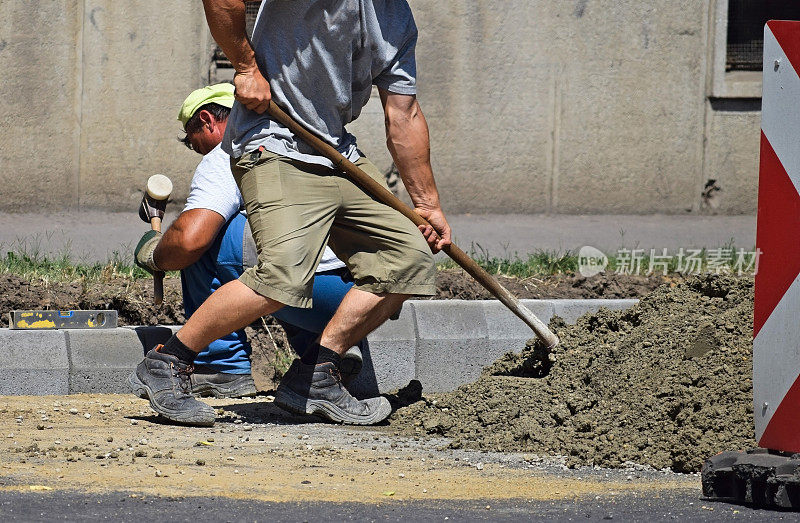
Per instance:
{"type": "Point", "coordinates": [210, 243]}
{"type": "Point", "coordinates": [319, 61]}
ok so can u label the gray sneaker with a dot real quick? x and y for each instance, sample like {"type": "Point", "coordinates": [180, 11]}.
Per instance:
{"type": "Point", "coordinates": [317, 389]}
{"type": "Point", "coordinates": [351, 364]}
{"type": "Point", "coordinates": [164, 380]}
{"type": "Point", "coordinates": [206, 382]}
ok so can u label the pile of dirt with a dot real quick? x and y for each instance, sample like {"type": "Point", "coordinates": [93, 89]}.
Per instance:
{"type": "Point", "coordinates": [667, 383]}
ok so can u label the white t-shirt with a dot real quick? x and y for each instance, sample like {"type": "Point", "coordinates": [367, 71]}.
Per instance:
{"type": "Point", "coordinates": [214, 188]}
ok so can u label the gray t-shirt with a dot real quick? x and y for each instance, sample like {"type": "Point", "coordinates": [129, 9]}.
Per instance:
{"type": "Point", "coordinates": [321, 58]}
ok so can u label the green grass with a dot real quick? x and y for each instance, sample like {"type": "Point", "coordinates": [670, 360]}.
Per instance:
{"type": "Point", "coordinates": [536, 264]}
{"type": "Point", "coordinates": [29, 263]}
{"type": "Point", "coordinates": [25, 259]}
{"type": "Point", "coordinates": [62, 269]}
{"type": "Point", "coordinates": [725, 259]}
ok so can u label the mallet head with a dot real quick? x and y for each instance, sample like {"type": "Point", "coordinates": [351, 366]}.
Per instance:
{"type": "Point", "coordinates": [159, 187]}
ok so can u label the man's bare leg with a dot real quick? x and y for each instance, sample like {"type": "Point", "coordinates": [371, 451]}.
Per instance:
{"type": "Point", "coordinates": [231, 307]}
{"type": "Point", "coordinates": [315, 386]}
{"type": "Point", "coordinates": [359, 314]}
{"type": "Point", "coordinates": [163, 376]}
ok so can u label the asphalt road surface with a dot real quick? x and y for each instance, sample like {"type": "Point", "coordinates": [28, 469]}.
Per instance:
{"type": "Point", "coordinates": [120, 506]}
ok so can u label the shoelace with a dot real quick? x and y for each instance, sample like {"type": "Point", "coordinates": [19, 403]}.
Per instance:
{"type": "Point", "coordinates": [183, 373]}
{"type": "Point", "coordinates": [336, 374]}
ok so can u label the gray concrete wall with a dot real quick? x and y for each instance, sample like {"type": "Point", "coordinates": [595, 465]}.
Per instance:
{"type": "Point", "coordinates": [39, 104]}
{"type": "Point", "coordinates": [140, 60]}
{"type": "Point", "coordinates": [89, 96]}
{"type": "Point", "coordinates": [731, 156]}
{"type": "Point", "coordinates": [584, 106]}
{"type": "Point", "coordinates": [579, 106]}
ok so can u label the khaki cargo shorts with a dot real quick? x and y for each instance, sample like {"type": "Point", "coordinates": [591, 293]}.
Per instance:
{"type": "Point", "coordinates": [294, 209]}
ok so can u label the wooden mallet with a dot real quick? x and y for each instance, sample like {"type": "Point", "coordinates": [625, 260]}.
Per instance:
{"type": "Point", "coordinates": [159, 187]}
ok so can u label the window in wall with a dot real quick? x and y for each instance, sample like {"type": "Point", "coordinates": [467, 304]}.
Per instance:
{"type": "Point", "coordinates": [746, 19]}
{"type": "Point", "coordinates": [221, 67]}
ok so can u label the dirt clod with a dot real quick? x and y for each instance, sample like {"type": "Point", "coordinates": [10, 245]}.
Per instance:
{"type": "Point", "coordinates": [667, 383]}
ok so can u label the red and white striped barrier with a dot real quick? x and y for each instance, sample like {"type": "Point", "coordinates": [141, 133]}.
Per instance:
{"type": "Point", "coordinates": [776, 325]}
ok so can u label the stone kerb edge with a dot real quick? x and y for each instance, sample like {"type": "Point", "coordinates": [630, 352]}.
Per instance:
{"type": "Point", "coordinates": [35, 363]}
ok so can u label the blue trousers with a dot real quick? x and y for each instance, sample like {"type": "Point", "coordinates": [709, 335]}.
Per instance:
{"type": "Point", "coordinates": [223, 263]}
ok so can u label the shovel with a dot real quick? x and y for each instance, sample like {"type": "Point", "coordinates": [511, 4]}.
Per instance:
{"type": "Point", "coordinates": [377, 191]}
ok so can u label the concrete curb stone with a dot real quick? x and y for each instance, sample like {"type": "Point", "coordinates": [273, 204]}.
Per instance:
{"type": "Point", "coordinates": [151, 335]}
{"type": "Point", "coordinates": [501, 324]}
{"type": "Point", "coordinates": [102, 359]}
{"type": "Point", "coordinates": [35, 363]}
{"type": "Point", "coordinates": [389, 356]}
{"type": "Point", "coordinates": [443, 344]}
{"type": "Point", "coordinates": [452, 343]}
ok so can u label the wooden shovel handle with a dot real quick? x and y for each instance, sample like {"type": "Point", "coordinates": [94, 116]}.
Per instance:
{"type": "Point", "coordinates": [377, 191]}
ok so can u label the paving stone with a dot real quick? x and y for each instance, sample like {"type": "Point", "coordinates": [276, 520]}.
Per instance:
{"type": "Point", "coordinates": [388, 356]}
{"type": "Point", "coordinates": [503, 324]}
{"type": "Point", "coordinates": [388, 366]}
{"type": "Point", "coordinates": [152, 335]}
{"type": "Point", "coordinates": [34, 362]}
{"type": "Point", "coordinates": [444, 365]}
{"type": "Point", "coordinates": [401, 327]}
{"type": "Point", "coordinates": [101, 360]}
{"type": "Point", "coordinates": [450, 320]}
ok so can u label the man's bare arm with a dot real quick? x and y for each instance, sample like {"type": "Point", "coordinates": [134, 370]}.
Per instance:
{"type": "Point", "coordinates": [409, 142]}
{"type": "Point", "coordinates": [187, 239]}
{"type": "Point", "coordinates": [226, 20]}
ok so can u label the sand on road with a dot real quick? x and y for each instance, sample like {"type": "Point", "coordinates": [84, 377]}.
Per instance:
{"type": "Point", "coordinates": [115, 443]}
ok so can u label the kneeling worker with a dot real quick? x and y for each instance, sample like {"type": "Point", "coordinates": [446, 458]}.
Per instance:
{"type": "Point", "coordinates": [210, 242]}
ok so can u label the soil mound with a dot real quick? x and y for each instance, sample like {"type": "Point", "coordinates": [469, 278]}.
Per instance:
{"type": "Point", "coordinates": [667, 383]}
{"type": "Point", "coordinates": [133, 300]}
{"type": "Point", "coordinates": [455, 284]}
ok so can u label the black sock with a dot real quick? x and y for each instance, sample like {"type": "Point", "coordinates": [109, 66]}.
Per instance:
{"type": "Point", "coordinates": [316, 353]}
{"type": "Point", "coordinates": [328, 356]}
{"type": "Point", "coordinates": [309, 357]}
{"type": "Point", "coordinates": [176, 348]}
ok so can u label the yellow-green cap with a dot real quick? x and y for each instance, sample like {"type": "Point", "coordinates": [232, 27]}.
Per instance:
{"type": "Point", "coordinates": [221, 94]}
